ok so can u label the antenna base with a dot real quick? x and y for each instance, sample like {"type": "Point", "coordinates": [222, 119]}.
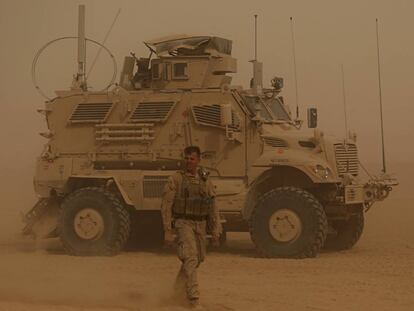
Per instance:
{"type": "Point", "coordinates": [78, 83]}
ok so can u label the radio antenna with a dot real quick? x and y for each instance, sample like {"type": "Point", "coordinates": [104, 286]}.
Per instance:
{"type": "Point", "coordinates": [294, 66]}
{"type": "Point", "coordinates": [255, 37]}
{"type": "Point", "coordinates": [380, 98]}
{"type": "Point", "coordinates": [81, 77]}
{"type": "Point", "coordinates": [256, 83]}
{"type": "Point", "coordinates": [103, 42]}
{"type": "Point", "coordinates": [344, 101]}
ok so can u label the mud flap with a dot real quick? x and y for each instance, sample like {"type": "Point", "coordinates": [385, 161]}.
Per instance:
{"type": "Point", "coordinates": [41, 221]}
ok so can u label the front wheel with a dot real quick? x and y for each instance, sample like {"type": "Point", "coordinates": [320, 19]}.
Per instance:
{"type": "Point", "coordinates": [288, 222]}
{"type": "Point", "coordinates": [93, 222]}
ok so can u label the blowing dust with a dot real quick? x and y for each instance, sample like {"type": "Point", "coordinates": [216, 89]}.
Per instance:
{"type": "Point", "coordinates": [56, 279]}
{"type": "Point", "coordinates": [377, 274]}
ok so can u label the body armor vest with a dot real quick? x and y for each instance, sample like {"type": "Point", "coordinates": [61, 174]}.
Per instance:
{"type": "Point", "coordinates": [193, 199]}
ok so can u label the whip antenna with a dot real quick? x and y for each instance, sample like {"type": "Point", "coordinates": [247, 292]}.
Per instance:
{"type": "Point", "coordinates": [294, 66]}
{"type": "Point", "coordinates": [81, 77]}
{"type": "Point", "coordinates": [256, 83]}
{"type": "Point", "coordinates": [255, 37]}
{"type": "Point", "coordinates": [344, 100]}
{"type": "Point", "coordinates": [103, 43]}
{"type": "Point", "coordinates": [380, 98]}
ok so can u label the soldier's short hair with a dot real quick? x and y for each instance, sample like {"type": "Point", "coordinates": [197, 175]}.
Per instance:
{"type": "Point", "coordinates": [190, 149]}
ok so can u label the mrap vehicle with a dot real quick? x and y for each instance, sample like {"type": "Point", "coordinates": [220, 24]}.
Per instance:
{"type": "Point", "coordinates": [109, 154]}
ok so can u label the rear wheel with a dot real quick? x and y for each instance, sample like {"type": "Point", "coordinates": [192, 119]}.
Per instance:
{"type": "Point", "coordinates": [93, 222]}
{"type": "Point", "coordinates": [288, 222]}
{"type": "Point", "coordinates": [348, 232]}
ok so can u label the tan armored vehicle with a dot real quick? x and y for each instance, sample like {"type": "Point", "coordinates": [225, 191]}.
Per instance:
{"type": "Point", "coordinates": [108, 155]}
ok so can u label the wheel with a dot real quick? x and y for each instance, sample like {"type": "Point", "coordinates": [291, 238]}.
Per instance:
{"type": "Point", "coordinates": [93, 222]}
{"type": "Point", "coordinates": [288, 222]}
{"type": "Point", "coordinates": [348, 232]}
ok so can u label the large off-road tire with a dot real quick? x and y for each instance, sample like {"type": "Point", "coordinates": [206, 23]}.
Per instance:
{"type": "Point", "coordinates": [288, 222]}
{"type": "Point", "coordinates": [93, 222]}
{"type": "Point", "coordinates": [348, 232]}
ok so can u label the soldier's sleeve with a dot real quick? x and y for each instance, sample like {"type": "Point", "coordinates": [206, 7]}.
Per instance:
{"type": "Point", "coordinates": [167, 203]}
{"type": "Point", "coordinates": [213, 221]}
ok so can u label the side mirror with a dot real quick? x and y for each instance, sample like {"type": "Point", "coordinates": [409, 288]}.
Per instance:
{"type": "Point", "coordinates": [312, 117]}
{"type": "Point", "coordinates": [226, 115]}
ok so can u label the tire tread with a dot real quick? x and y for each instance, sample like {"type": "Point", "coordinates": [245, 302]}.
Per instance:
{"type": "Point", "coordinates": [322, 225]}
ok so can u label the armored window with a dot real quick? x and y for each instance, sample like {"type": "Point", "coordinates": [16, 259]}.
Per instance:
{"type": "Point", "coordinates": [166, 73]}
{"type": "Point", "coordinates": [90, 113]}
{"type": "Point", "coordinates": [211, 115]}
{"type": "Point", "coordinates": [152, 111]}
{"type": "Point", "coordinates": [155, 69]}
{"type": "Point", "coordinates": [180, 71]}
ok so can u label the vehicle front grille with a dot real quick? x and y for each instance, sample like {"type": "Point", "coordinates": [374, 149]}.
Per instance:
{"type": "Point", "coordinates": [346, 159]}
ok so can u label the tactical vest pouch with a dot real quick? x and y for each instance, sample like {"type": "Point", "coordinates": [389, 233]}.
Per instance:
{"type": "Point", "coordinates": [193, 199]}
{"type": "Point", "coordinates": [192, 206]}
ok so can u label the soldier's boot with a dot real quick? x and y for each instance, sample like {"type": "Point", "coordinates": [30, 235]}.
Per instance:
{"type": "Point", "coordinates": [180, 294]}
{"type": "Point", "coordinates": [195, 304]}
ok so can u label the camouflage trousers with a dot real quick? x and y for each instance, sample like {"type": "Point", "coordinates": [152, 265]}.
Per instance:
{"type": "Point", "coordinates": [191, 248]}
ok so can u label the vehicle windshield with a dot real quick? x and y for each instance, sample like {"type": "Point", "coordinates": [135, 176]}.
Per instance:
{"type": "Point", "coordinates": [270, 109]}
{"type": "Point", "coordinates": [278, 110]}
{"type": "Point", "coordinates": [254, 103]}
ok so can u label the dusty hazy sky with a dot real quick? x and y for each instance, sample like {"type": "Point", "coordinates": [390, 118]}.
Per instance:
{"type": "Point", "coordinates": [328, 34]}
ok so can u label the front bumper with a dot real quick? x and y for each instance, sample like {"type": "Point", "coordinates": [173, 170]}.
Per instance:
{"type": "Point", "coordinates": [376, 189]}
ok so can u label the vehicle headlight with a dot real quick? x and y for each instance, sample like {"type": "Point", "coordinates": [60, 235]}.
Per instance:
{"type": "Point", "coordinates": [322, 172]}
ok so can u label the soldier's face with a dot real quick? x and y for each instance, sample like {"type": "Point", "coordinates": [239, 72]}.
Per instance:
{"type": "Point", "coordinates": [191, 161]}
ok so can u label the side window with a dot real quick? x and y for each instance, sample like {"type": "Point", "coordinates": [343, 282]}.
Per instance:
{"type": "Point", "coordinates": [166, 73]}
{"type": "Point", "coordinates": [155, 69]}
{"type": "Point", "coordinates": [180, 71]}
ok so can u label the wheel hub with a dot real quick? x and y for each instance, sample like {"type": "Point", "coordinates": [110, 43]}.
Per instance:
{"type": "Point", "coordinates": [89, 224]}
{"type": "Point", "coordinates": [285, 225]}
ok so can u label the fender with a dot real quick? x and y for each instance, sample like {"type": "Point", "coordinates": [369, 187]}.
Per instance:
{"type": "Point", "coordinates": [307, 163]}
{"type": "Point", "coordinates": [106, 179]}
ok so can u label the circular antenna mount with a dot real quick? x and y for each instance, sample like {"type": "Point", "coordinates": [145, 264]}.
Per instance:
{"type": "Point", "coordinates": [44, 47]}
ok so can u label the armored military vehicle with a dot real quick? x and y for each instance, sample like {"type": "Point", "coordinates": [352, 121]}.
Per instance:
{"type": "Point", "coordinates": [109, 154]}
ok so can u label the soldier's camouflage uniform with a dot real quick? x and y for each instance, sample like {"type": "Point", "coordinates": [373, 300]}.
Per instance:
{"type": "Point", "coordinates": [188, 202]}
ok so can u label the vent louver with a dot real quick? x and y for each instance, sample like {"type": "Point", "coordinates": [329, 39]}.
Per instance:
{"type": "Point", "coordinates": [91, 113]}
{"type": "Point", "coordinates": [211, 115]}
{"type": "Point", "coordinates": [151, 111]}
{"type": "Point", "coordinates": [275, 142]}
{"type": "Point", "coordinates": [346, 159]}
{"type": "Point", "coordinates": [153, 186]}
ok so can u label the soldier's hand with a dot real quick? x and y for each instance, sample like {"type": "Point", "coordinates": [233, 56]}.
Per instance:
{"type": "Point", "coordinates": [169, 238]}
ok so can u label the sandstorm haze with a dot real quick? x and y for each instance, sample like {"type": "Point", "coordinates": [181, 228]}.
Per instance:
{"type": "Point", "coordinates": [327, 34]}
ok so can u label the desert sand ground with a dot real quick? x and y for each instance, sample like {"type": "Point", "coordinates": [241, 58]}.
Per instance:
{"type": "Point", "coordinates": [377, 274]}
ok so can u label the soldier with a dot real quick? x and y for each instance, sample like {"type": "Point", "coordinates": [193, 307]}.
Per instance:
{"type": "Point", "coordinates": [188, 207]}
